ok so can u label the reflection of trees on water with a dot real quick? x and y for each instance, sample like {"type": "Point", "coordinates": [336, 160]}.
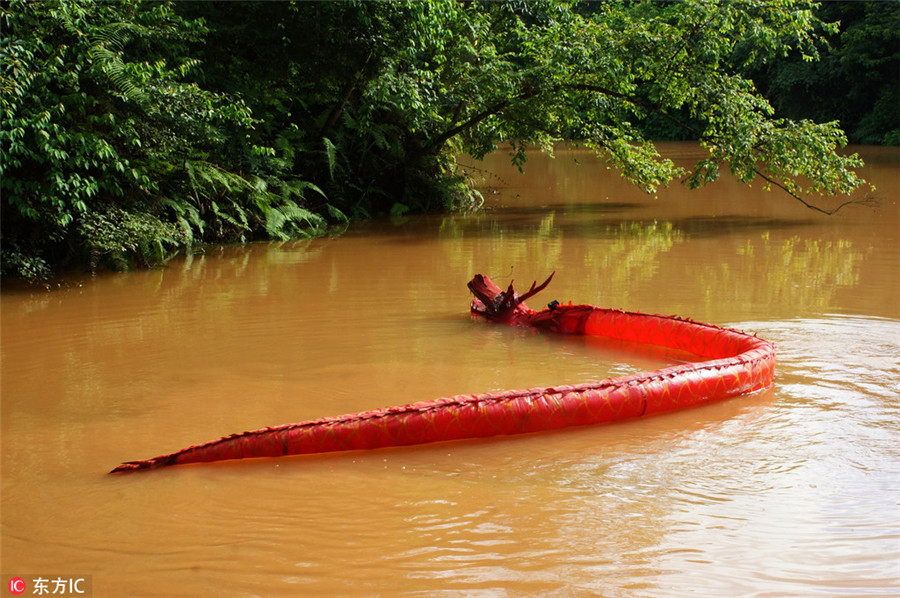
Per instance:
{"type": "Point", "coordinates": [502, 244]}
{"type": "Point", "coordinates": [624, 250]}
{"type": "Point", "coordinates": [747, 263]}
{"type": "Point", "coordinates": [633, 252]}
{"type": "Point", "coordinates": [603, 254]}
{"type": "Point", "coordinates": [793, 275]}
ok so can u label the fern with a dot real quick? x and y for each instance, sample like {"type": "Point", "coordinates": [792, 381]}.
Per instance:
{"type": "Point", "coordinates": [379, 135]}
{"type": "Point", "coordinates": [247, 202]}
{"type": "Point", "coordinates": [108, 42]}
{"type": "Point", "coordinates": [187, 217]}
{"type": "Point", "coordinates": [331, 154]}
{"type": "Point", "coordinates": [275, 221]}
{"type": "Point", "coordinates": [336, 214]}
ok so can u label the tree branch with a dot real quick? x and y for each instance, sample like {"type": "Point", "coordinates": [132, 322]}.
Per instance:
{"type": "Point", "coordinates": [498, 107]}
{"type": "Point", "coordinates": [435, 143]}
{"type": "Point", "coordinates": [866, 201]}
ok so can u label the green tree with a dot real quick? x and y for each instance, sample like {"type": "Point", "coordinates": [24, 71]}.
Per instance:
{"type": "Point", "coordinates": [137, 125]}
{"type": "Point", "coordinates": [857, 81]}
{"type": "Point", "coordinates": [111, 152]}
{"type": "Point", "coordinates": [380, 97]}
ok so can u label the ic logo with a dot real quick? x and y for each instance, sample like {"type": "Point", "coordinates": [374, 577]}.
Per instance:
{"type": "Point", "coordinates": [16, 585]}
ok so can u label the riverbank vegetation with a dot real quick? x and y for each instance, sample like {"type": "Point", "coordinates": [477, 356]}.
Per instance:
{"type": "Point", "coordinates": [134, 129]}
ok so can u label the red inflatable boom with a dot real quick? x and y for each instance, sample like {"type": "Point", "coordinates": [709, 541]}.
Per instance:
{"type": "Point", "coordinates": [733, 363]}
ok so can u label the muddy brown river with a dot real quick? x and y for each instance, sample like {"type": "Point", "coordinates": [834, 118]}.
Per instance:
{"type": "Point", "coordinates": [794, 491]}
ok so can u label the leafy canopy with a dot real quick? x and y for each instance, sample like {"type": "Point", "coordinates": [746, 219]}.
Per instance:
{"type": "Point", "coordinates": [131, 128]}
{"type": "Point", "coordinates": [377, 98]}
{"type": "Point", "coordinates": [466, 76]}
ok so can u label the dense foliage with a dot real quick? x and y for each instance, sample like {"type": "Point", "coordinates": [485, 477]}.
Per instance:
{"type": "Point", "coordinates": [134, 128]}
{"type": "Point", "coordinates": [112, 154]}
{"type": "Point", "coordinates": [857, 82]}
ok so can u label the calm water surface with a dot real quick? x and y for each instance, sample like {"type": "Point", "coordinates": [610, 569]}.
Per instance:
{"type": "Point", "coordinates": [791, 492]}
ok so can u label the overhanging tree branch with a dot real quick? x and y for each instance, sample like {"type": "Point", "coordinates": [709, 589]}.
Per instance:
{"type": "Point", "coordinates": [435, 143]}
{"type": "Point", "coordinates": [866, 201]}
{"type": "Point", "coordinates": [657, 110]}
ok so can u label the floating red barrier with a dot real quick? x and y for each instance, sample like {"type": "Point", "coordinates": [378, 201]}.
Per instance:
{"type": "Point", "coordinates": [730, 363]}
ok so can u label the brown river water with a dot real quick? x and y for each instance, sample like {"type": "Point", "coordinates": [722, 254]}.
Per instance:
{"type": "Point", "coordinates": [794, 491]}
